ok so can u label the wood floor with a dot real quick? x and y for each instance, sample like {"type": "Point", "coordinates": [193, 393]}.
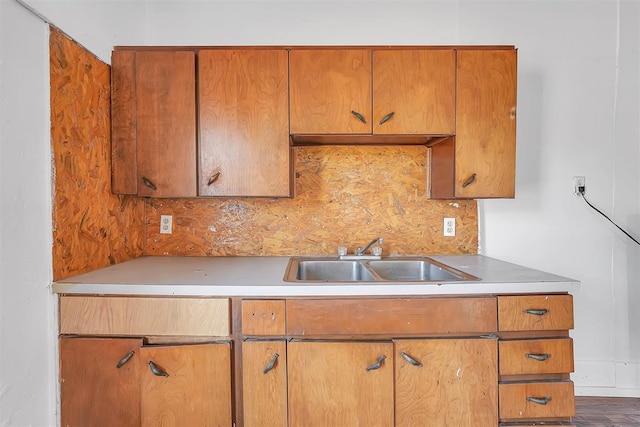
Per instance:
{"type": "Point", "coordinates": [607, 412]}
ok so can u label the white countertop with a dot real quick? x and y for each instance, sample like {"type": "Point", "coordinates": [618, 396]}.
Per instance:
{"type": "Point", "coordinates": [264, 276]}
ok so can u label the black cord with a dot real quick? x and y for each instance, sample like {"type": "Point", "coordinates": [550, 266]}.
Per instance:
{"type": "Point", "coordinates": [598, 210]}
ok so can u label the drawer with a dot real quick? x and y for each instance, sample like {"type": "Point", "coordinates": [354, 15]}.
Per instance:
{"type": "Point", "coordinates": [536, 400]}
{"type": "Point", "coordinates": [535, 312]}
{"type": "Point", "coordinates": [144, 316]}
{"type": "Point", "coordinates": [263, 317]}
{"type": "Point", "coordinates": [541, 356]}
{"type": "Point", "coordinates": [389, 317]}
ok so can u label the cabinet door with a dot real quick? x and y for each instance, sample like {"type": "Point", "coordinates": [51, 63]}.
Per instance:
{"type": "Point", "coordinates": [99, 382]}
{"type": "Point", "coordinates": [485, 124]}
{"type": "Point", "coordinates": [166, 123]}
{"type": "Point", "coordinates": [340, 383]}
{"type": "Point", "coordinates": [264, 383]}
{"type": "Point", "coordinates": [244, 134]}
{"type": "Point", "coordinates": [329, 89]}
{"type": "Point", "coordinates": [414, 91]}
{"type": "Point", "coordinates": [186, 385]}
{"type": "Point", "coordinates": [446, 382]}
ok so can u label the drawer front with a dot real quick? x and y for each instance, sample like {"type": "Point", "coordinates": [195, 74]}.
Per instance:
{"type": "Point", "coordinates": [543, 356]}
{"type": "Point", "coordinates": [140, 316]}
{"type": "Point", "coordinates": [388, 317]}
{"type": "Point", "coordinates": [536, 400]}
{"type": "Point", "coordinates": [263, 317]}
{"type": "Point", "coordinates": [535, 312]}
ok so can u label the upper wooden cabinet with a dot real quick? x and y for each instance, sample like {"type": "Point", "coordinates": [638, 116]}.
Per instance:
{"type": "Point", "coordinates": [243, 115]}
{"type": "Point", "coordinates": [243, 123]}
{"type": "Point", "coordinates": [154, 123]}
{"type": "Point", "coordinates": [225, 126]}
{"type": "Point", "coordinates": [328, 90]}
{"type": "Point", "coordinates": [480, 161]}
{"type": "Point", "coordinates": [365, 91]}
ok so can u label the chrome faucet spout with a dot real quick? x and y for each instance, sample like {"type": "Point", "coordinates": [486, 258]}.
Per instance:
{"type": "Point", "coordinates": [362, 251]}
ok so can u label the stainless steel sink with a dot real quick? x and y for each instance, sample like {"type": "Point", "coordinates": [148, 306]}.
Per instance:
{"type": "Point", "coordinates": [333, 271]}
{"type": "Point", "coordinates": [414, 270]}
{"type": "Point", "coordinates": [387, 269]}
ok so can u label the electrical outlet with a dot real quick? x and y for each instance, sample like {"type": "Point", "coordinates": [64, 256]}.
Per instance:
{"type": "Point", "coordinates": [579, 185]}
{"type": "Point", "coordinates": [449, 227]}
{"type": "Point", "coordinates": [166, 224]}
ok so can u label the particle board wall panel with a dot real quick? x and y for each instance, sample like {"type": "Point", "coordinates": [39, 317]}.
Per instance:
{"type": "Point", "coordinates": [345, 196]}
{"type": "Point", "coordinates": [92, 228]}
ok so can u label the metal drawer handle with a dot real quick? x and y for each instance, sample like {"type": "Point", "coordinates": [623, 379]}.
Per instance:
{"type": "Point", "coordinates": [156, 371]}
{"type": "Point", "coordinates": [213, 178]}
{"type": "Point", "coordinates": [537, 312]}
{"type": "Point", "coordinates": [469, 180]}
{"type": "Point", "coordinates": [148, 183]}
{"type": "Point", "coordinates": [125, 359]}
{"type": "Point", "coordinates": [271, 363]}
{"type": "Point", "coordinates": [387, 117]}
{"type": "Point", "coordinates": [539, 400]}
{"type": "Point", "coordinates": [411, 360]}
{"type": "Point", "coordinates": [539, 357]}
{"type": "Point", "coordinates": [378, 363]}
{"type": "Point", "coordinates": [359, 116]}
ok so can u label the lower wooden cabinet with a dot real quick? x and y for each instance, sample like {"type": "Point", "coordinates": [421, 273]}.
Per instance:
{"type": "Point", "coordinates": [446, 382]}
{"type": "Point", "coordinates": [379, 361]}
{"type": "Point", "coordinates": [405, 382]}
{"type": "Point", "coordinates": [120, 381]}
{"type": "Point", "coordinates": [186, 385]}
{"type": "Point", "coordinates": [264, 383]}
{"type": "Point", "coordinates": [340, 383]}
{"type": "Point", "coordinates": [100, 381]}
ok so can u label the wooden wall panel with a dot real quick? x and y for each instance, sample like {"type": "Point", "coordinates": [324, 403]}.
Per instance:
{"type": "Point", "coordinates": [345, 196]}
{"type": "Point", "coordinates": [91, 227]}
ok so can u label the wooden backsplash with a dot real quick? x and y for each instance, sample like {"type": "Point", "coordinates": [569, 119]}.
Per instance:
{"type": "Point", "coordinates": [92, 228]}
{"type": "Point", "coordinates": [345, 196]}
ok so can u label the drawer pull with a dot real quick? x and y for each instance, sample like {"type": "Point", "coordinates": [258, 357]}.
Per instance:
{"type": "Point", "coordinates": [125, 359]}
{"type": "Point", "coordinates": [539, 357]}
{"type": "Point", "coordinates": [387, 117]}
{"type": "Point", "coordinates": [539, 400]}
{"type": "Point", "coordinates": [148, 183]}
{"type": "Point", "coordinates": [378, 363]}
{"type": "Point", "coordinates": [156, 371]}
{"type": "Point", "coordinates": [537, 312]}
{"type": "Point", "coordinates": [271, 363]}
{"type": "Point", "coordinates": [469, 180]}
{"type": "Point", "coordinates": [359, 116]}
{"type": "Point", "coordinates": [411, 360]}
{"type": "Point", "coordinates": [213, 178]}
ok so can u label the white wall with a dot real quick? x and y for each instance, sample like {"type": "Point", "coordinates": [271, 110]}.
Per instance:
{"type": "Point", "coordinates": [578, 108]}
{"type": "Point", "coordinates": [27, 325]}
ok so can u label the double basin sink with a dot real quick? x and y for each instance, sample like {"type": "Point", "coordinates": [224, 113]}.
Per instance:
{"type": "Point", "coordinates": [384, 269]}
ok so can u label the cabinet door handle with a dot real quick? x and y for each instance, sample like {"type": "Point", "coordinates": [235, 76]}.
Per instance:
{"type": "Point", "coordinates": [469, 180]}
{"type": "Point", "coordinates": [411, 360]}
{"type": "Point", "coordinates": [378, 363]}
{"type": "Point", "coordinates": [125, 359]}
{"type": "Point", "coordinates": [271, 363]}
{"type": "Point", "coordinates": [359, 116]}
{"type": "Point", "coordinates": [148, 183]}
{"type": "Point", "coordinates": [156, 371]}
{"type": "Point", "coordinates": [539, 400]}
{"type": "Point", "coordinates": [539, 357]}
{"type": "Point", "coordinates": [537, 312]}
{"type": "Point", "coordinates": [387, 117]}
{"type": "Point", "coordinates": [213, 178]}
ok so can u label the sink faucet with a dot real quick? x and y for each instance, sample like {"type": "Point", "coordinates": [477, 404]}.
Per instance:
{"type": "Point", "coordinates": [362, 251]}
